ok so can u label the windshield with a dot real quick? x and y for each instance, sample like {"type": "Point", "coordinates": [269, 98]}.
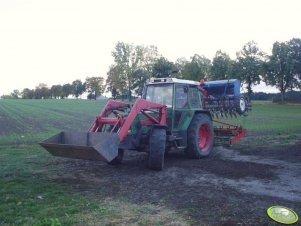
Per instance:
{"type": "Point", "coordinates": [160, 94]}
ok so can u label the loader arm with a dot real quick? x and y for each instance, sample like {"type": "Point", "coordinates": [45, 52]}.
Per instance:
{"type": "Point", "coordinates": [122, 123]}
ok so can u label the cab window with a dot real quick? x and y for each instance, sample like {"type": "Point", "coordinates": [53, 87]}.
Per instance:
{"type": "Point", "coordinates": [161, 94]}
{"type": "Point", "coordinates": [181, 96]}
{"type": "Point", "coordinates": [194, 97]}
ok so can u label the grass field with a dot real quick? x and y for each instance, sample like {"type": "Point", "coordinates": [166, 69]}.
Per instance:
{"type": "Point", "coordinates": [28, 121]}
{"type": "Point", "coordinates": [31, 193]}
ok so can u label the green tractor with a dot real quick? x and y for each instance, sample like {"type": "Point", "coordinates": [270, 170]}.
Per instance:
{"type": "Point", "coordinates": [173, 114]}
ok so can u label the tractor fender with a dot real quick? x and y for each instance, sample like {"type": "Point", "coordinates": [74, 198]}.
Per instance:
{"type": "Point", "coordinates": [203, 112]}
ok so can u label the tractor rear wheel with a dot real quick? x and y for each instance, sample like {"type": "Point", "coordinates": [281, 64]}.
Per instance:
{"type": "Point", "coordinates": [157, 141]}
{"type": "Point", "coordinates": [200, 137]}
{"type": "Point", "coordinates": [117, 160]}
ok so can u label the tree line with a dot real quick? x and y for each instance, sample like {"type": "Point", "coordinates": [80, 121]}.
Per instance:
{"type": "Point", "coordinates": [93, 85]}
{"type": "Point", "coordinates": [134, 64]}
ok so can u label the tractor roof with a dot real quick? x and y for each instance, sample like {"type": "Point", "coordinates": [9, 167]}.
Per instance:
{"type": "Point", "coordinates": [184, 81]}
{"type": "Point", "coordinates": [171, 80]}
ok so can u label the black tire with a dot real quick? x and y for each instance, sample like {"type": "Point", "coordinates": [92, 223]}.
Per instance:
{"type": "Point", "coordinates": [241, 104]}
{"type": "Point", "coordinates": [157, 141]}
{"type": "Point", "coordinates": [200, 137]}
{"type": "Point", "coordinates": [118, 159]}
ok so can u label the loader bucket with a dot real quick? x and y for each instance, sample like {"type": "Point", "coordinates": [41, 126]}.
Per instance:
{"type": "Point", "coordinates": [83, 145]}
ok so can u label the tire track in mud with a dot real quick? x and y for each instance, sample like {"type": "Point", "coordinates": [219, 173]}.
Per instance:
{"type": "Point", "coordinates": [285, 183]}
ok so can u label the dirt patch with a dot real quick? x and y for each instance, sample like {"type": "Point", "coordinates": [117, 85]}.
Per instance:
{"type": "Point", "coordinates": [230, 187]}
{"type": "Point", "coordinates": [291, 153]}
{"type": "Point", "coordinates": [223, 168]}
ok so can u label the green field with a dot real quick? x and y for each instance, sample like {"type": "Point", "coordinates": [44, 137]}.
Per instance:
{"type": "Point", "coordinates": [30, 193]}
{"type": "Point", "coordinates": [28, 121]}
{"type": "Point", "coordinates": [269, 124]}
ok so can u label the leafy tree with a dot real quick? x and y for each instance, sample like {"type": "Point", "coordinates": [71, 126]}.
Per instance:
{"type": "Point", "coordinates": [78, 88]}
{"type": "Point", "coordinates": [115, 83]}
{"type": "Point", "coordinates": [249, 63]}
{"type": "Point", "coordinates": [198, 68]}
{"type": "Point", "coordinates": [127, 58]}
{"type": "Point", "coordinates": [15, 94]}
{"type": "Point", "coordinates": [91, 96]}
{"type": "Point", "coordinates": [130, 61]}
{"type": "Point", "coordinates": [180, 65]}
{"type": "Point", "coordinates": [139, 78]}
{"type": "Point", "coordinates": [281, 69]}
{"type": "Point", "coordinates": [162, 68]}
{"type": "Point", "coordinates": [114, 93]}
{"type": "Point", "coordinates": [42, 91]}
{"type": "Point", "coordinates": [27, 93]}
{"type": "Point", "coordinates": [221, 66]}
{"type": "Point", "coordinates": [57, 91]}
{"type": "Point", "coordinates": [95, 86]}
{"type": "Point", "coordinates": [295, 52]}
{"type": "Point", "coordinates": [67, 90]}
{"type": "Point", "coordinates": [149, 56]}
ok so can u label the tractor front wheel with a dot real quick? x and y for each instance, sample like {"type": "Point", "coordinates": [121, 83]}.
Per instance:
{"type": "Point", "coordinates": [200, 137]}
{"type": "Point", "coordinates": [157, 141]}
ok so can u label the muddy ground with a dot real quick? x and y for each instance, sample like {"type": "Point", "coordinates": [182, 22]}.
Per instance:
{"type": "Point", "coordinates": [231, 187]}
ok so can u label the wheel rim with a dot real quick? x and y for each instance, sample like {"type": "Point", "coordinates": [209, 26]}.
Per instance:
{"type": "Point", "coordinates": [242, 104]}
{"type": "Point", "coordinates": [204, 137]}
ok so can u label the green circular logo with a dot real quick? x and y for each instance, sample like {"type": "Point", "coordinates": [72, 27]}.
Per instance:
{"type": "Point", "coordinates": [282, 214]}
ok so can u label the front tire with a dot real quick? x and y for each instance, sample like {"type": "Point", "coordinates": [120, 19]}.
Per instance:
{"type": "Point", "coordinates": [157, 141]}
{"type": "Point", "coordinates": [200, 137]}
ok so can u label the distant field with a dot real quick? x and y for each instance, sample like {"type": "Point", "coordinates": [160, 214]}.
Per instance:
{"type": "Point", "coordinates": [39, 189]}
{"type": "Point", "coordinates": [28, 121]}
{"type": "Point", "coordinates": [269, 117]}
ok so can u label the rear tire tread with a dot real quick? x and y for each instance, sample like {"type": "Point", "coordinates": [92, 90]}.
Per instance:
{"type": "Point", "coordinates": [193, 150]}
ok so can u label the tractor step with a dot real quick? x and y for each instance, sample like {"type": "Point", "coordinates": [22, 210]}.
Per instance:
{"type": "Point", "coordinates": [83, 145]}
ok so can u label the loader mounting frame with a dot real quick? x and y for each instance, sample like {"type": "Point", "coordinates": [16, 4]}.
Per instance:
{"type": "Point", "coordinates": [121, 124]}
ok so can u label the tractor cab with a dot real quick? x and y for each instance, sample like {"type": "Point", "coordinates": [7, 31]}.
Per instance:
{"type": "Point", "coordinates": [181, 97]}
{"type": "Point", "coordinates": [172, 92]}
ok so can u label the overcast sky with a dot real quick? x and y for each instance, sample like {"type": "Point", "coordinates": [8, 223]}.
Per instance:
{"type": "Point", "coordinates": [57, 41]}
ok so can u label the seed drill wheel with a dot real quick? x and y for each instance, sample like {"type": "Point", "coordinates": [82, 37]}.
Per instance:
{"type": "Point", "coordinates": [200, 137]}
{"type": "Point", "coordinates": [157, 141]}
{"type": "Point", "coordinates": [241, 104]}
